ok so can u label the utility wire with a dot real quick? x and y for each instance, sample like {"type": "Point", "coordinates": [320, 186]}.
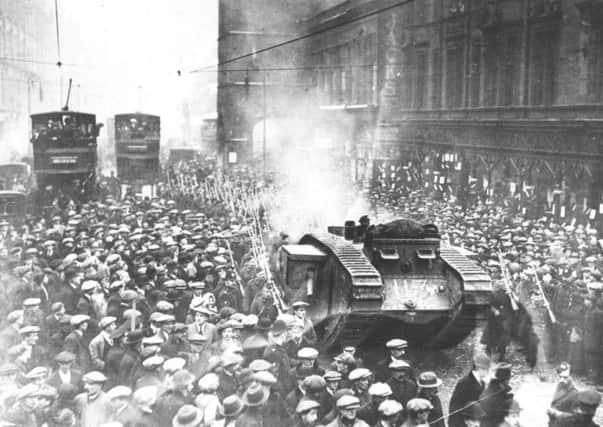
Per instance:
{"type": "Point", "coordinates": [29, 61]}
{"type": "Point", "coordinates": [306, 36]}
{"type": "Point", "coordinates": [56, 20]}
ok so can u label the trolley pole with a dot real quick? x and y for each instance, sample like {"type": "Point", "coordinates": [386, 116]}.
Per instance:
{"type": "Point", "coordinates": [264, 128]}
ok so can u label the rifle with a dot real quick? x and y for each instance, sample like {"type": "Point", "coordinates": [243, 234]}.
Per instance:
{"type": "Point", "coordinates": [234, 267]}
{"type": "Point", "coordinates": [544, 299]}
{"type": "Point", "coordinates": [512, 296]}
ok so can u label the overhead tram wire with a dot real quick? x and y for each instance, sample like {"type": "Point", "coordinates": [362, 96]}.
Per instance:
{"type": "Point", "coordinates": [58, 32]}
{"type": "Point", "coordinates": [304, 36]}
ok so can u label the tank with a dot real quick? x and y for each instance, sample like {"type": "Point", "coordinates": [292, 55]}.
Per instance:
{"type": "Point", "coordinates": [390, 280]}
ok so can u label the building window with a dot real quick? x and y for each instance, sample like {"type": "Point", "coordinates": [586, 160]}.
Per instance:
{"type": "Point", "coordinates": [421, 73]}
{"type": "Point", "coordinates": [509, 94]}
{"type": "Point", "coordinates": [436, 75]}
{"type": "Point", "coordinates": [594, 54]}
{"type": "Point", "coordinates": [543, 66]}
{"type": "Point", "coordinates": [406, 80]}
{"type": "Point", "coordinates": [454, 74]}
{"type": "Point", "coordinates": [491, 71]}
{"type": "Point", "coordinates": [476, 73]}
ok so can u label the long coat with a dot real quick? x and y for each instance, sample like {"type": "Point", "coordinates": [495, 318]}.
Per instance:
{"type": "Point", "coordinates": [99, 347]}
{"type": "Point", "coordinates": [467, 389]}
{"type": "Point", "coordinates": [76, 344]}
{"type": "Point", "coordinates": [495, 401]}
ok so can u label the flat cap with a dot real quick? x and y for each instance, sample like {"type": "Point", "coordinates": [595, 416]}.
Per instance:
{"type": "Point", "coordinates": [332, 376]}
{"type": "Point", "coordinates": [153, 362]}
{"type": "Point", "coordinates": [37, 372]}
{"type": "Point", "coordinates": [314, 383]}
{"type": "Point", "coordinates": [94, 377]}
{"type": "Point", "coordinates": [359, 373]}
{"type": "Point", "coordinates": [390, 407]}
{"type": "Point", "coordinates": [396, 343]}
{"type": "Point", "coordinates": [174, 364]}
{"type": "Point", "coordinates": [260, 365]}
{"type": "Point", "coordinates": [380, 390]}
{"type": "Point", "coordinates": [106, 321]}
{"type": "Point", "coordinates": [306, 405]}
{"type": "Point", "coordinates": [64, 357]}
{"type": "Point", "coordinates": [348, 402]}
{"type": "Point", "coordinates": [264, 377]}
{"type": "Point", "coordinates": [32, 302]}
{"type": "Point", "coordinates": [589, 398]}
{"type": "Point", "coordinates": [78, 319]}
{"type": "Point", "coordinates": [120, 391]}
{"type": "Point", "coordinates": [307, 353]}
{"type": "Point", "coordinates": [29, 329]}
{"type": "Point", "coordinates": [398, 365]}
{"type": "Point", "coordinates": [419, 405]}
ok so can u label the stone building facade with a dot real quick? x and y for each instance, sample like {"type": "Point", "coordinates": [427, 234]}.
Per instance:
{"type": "Point", "coordinates": [26, 38]}
{"type": "Point", "coordinates": [490, 97]}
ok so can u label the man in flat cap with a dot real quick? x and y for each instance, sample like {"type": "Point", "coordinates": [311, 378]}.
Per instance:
{"type": "Point", "coordinates": [99, 345]}
{"type": "Point", "coordinates": [65, 374]}
{"type": "Point", "coordinates": [76, 344]}
{"type": "Point", "coordinates": [94, 406]}
{"type": "Point", "coordinates": [396, 348]}
{"type": "Point", "coordinates": [347, 413]}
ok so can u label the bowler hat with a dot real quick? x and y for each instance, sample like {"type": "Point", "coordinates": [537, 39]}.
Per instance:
{"type": "Point", "coordinates": [231, 406]}
{"type": "Point", "coordinates": [188, 416]}
{"type": "Point", "coordinates": [255, 395]}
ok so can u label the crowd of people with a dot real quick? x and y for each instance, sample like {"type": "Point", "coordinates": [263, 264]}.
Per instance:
{"type": "Point", "coordinates": [159, 312]}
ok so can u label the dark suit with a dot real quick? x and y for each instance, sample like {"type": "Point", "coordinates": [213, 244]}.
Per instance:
{"type": "Point", "coordinates": [76, 379]}
{"type": "Point", "coordinates": [467, 389]}
{"type": "Point", "coordinates": [76, 344]}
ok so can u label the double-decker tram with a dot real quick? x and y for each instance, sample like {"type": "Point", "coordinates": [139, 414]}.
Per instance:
{"type": "Point", "coordinates": [64, 148]}
{"type": "Point", "coordinates": [137, 138]}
